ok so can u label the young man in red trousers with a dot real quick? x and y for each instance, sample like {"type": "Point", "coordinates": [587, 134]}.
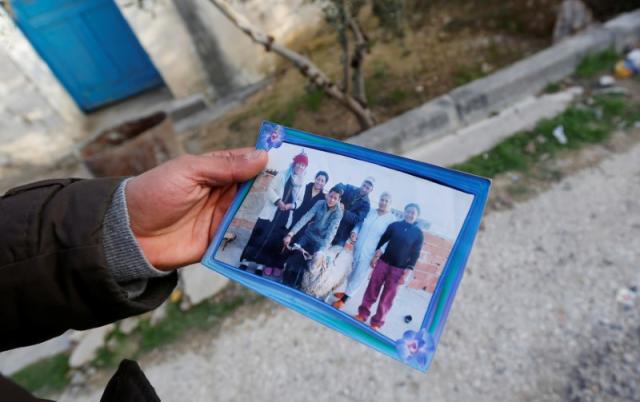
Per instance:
{"type": "Point", "coordinates": [391, 269]}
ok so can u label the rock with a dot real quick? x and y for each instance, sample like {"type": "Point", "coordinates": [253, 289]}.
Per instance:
{"type": "Point", "coordinates": [606, 81]}
{"type": "Point", "coordinates": [112, 344]}
{"type": "Point", "coordinates": [86, 349]}
{"type": "Point", "coordinates": [128, 325]}
{"type": "Point", "coordinates": [626, 297]}
{"type": "Point", "coordinates": [158, 314]}
{"type": "Point", "coordinates": [185, 305]}
{"type": "Point", "coordinates": [530, 148]}
{"type": "Point", "coordinates": [78, 378]}
{"type": "Point", "coordinates": [200, 283]}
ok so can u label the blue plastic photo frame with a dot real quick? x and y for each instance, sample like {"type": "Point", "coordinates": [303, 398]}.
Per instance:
{"type": "Point", "coordinates": [415, 347]}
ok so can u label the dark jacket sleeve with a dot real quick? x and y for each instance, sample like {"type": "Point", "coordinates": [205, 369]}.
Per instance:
{"type": "Point", "coordinates": [357, 212]}
{"type": "Point", "coordinates": [385, 236]}
{"type": "Point", "coordinates": [53, 271]}
{"type": "Point", "coordinates": [416, 248]}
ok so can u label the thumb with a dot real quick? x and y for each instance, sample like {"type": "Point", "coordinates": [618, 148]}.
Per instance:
{"type": "Point", "coordinates": [233, 166]}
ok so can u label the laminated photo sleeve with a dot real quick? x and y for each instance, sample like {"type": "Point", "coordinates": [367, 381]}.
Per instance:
{"type": "Point", "coordinates": [369, 244]}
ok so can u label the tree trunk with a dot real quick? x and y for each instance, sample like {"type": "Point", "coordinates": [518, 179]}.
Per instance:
{"type": "Point", "coordinates": [357, 62]}
{"type": "Point", "coordinates": [306, 67]}
{"type": "Point", "coordinates": [343, 38]}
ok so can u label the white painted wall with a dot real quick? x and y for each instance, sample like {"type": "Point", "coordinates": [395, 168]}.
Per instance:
{"type": "Point", "coordinates": [283, 19]}
{"type": "Point", "coordinates": [38, 119]}
{"type": "Point", "coordinates": [40, 123]}
{"type": "Point", "coordinates": [162, 34]}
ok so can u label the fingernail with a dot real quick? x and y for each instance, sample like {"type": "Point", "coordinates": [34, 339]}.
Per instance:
{"type": "Point", "coordinates": [255, 154]}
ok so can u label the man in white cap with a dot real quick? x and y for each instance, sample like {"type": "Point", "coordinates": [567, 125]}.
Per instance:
{"type": "Point", "coordinates": [356, 207]}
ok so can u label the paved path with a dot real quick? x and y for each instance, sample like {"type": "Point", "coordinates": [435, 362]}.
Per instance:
{"type": "Point", "coordinates": [542, 277]}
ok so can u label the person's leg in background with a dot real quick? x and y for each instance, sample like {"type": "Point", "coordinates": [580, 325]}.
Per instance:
{"type": "Point", "coordinates": [373, 290]}
{"type": "Point", "coordinates": [356, 279]}
{"type": "Point", "coordinates": [391, 284]}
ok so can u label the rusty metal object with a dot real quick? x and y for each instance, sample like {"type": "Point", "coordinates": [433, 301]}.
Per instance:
{"type": "Point", "coordinates": [132, 147]}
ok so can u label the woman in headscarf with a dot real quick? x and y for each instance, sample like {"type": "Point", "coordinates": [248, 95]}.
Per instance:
{"type": "Point", "coordinates": [313, 192]}
{"type": "Point", "coordinates": [283, 196]}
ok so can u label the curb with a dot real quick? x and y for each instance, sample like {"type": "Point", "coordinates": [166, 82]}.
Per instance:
{"type": "Point", "coordinates": [484, 97]}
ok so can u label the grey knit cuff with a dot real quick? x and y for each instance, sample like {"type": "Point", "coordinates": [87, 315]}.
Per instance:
{"type": "Point", "coordinates": [124, 257]}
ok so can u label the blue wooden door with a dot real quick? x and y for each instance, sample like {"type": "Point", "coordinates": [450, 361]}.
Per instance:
{"type": "Point", "coordinates": [89, 47]}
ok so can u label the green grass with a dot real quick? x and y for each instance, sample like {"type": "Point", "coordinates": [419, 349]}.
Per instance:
{"type": "Point", "coordinates": [465, 74]}
{"type": "Point", "coordinates": [582, 125]}
{"type": "Point", "coordinates": [44, 376]}
{"type": "Point", "coordinates": [552, 87]}
{"type": "Point", "coordinates": [202, 316]}
{"type": "Point", "coordinates": [52, 374]}
{"type": "Point", "coordinates": [311, 100]}
{"type": "Point", "coordinates": [595, 63]}
{"type": "Point", "coordinates": [375, 83]}
{"type": "Point", "coordinates": [147, 337]}
{"type": "Point", "coordinates": [398, 95]}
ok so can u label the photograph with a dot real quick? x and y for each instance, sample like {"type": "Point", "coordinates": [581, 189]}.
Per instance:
{"type": "Point", "coordinates": [367, 240]}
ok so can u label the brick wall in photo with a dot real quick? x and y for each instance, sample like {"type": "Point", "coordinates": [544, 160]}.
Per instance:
{"type": "Point", "coordinates": [433, 256]}
{"type": "Point", "coordinates": [248, 213]}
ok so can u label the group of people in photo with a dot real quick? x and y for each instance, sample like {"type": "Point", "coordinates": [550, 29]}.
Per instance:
{"type": "Point", "coordinates": [333, 242]}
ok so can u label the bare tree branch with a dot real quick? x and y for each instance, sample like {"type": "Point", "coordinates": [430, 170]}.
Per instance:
{"type": "Point", "coordinates": [302, 63]}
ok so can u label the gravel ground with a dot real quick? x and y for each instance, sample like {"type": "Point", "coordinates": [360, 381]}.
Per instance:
{"type": "Point", "coordinates": [535, 319]}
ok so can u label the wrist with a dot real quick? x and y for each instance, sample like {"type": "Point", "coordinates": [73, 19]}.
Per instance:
{"type": "Point", "coordinates": [124, 251]}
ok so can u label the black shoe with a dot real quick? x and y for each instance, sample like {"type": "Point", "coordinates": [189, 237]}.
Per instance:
{"type": "Point", "coordinates": [258, 272]}
{"type": "Point", "coordinates": [243, 267]}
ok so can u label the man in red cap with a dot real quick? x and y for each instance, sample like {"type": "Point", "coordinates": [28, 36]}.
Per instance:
{"type": "Point", "coordinates": [283, 195]}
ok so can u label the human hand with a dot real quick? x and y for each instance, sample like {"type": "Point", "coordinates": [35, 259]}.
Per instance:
{"type": "Point", "coordinates": [353, 237]}
{"type": "Point", "coordinates": [281, 205]}
{"type": "Point", "coordinates": [405, 276]}
{"type": "Point", "coordinates": [175, 208]}
{"type": "Point", "coordinates": [375, 258]}
{"type": "Point", "coordinates": [287, 240]}
{"type": "Point", "coordinates": [289, 207]}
